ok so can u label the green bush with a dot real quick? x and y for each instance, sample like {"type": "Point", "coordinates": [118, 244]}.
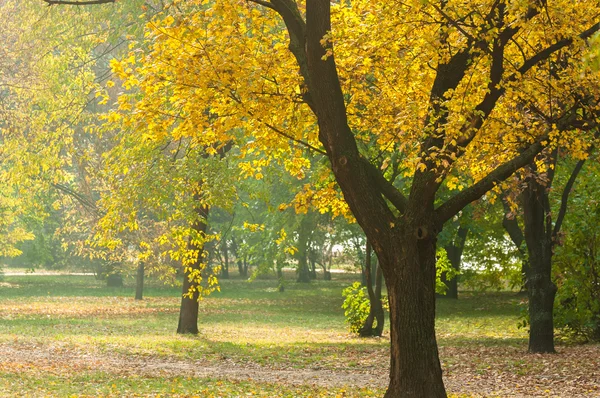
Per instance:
{"type": "Point", "coordinates": [356, 306]}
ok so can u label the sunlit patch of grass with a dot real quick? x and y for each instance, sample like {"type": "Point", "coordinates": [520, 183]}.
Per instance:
{"type": "Point", "coordinates": [486, 319]}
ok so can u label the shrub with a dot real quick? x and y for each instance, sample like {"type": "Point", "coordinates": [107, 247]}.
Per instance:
{"type": "Point", "coordinates": [356, 306]}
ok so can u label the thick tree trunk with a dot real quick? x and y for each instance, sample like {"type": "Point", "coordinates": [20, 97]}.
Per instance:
{"type": "Point", "coordinates": [139, 282]}
{"type": "Point", "coordinates": [540, 288]}
{"type": "Point", "coordinates": [415, 369]}
{"type": "Point", "coordinates": [188, 312]}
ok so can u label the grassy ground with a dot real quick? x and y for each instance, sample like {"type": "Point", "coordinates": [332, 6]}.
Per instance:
{"type": "Point", "coordinates": [72, 336]}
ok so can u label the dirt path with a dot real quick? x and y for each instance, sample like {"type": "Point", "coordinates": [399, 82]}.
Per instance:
{"type": "Point", "coordinates": [477, 371]}
{"type": "Point", "coordinates": [70, 360]}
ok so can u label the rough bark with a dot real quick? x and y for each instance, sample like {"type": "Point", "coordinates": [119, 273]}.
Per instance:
{"type": "Point", "coordinates": [415, 369]}
{"type": "Point", "coordinates": [540, 288]}
{"type": "Point", "coordinates": [188, 312]}
{"type": "Point", "coordinates": [139, 282]}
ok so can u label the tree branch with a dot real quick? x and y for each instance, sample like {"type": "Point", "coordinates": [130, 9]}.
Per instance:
{"type": "Point", "coordinates": [511, 225]}
{"type": "Point", "coordinates": [87, 203]}
{"type": "Point", "coordinates": [565, 198]}
{"type": "Point", "coordinates": [388, 190]}
{"type": "Point", "coordinates": [453, 205]}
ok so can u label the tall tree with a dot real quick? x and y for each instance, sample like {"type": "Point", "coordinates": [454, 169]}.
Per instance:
{"type": "Point", "coordinates": [541, 233]}
{"type": "Point", "coordinates": [442, 86]}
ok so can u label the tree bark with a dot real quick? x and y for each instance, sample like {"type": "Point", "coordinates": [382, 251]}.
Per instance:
{"type": "Point", "coordinates": [409, 270]}
{"type": "Point", "coordinates": [188, 312]}
{"type": "Point", "coordinates": [139, 282]}
{"type": "Point", "coordinates": [540, 288]}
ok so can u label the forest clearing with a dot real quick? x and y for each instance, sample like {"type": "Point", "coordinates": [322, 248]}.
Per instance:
{"type": "Point", "coordinates": [73, 336]}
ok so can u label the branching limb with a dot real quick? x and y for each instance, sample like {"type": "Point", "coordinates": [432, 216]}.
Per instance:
{"type": "Point", "coordinates": [565, 198]}
{"type": "Point", "coordinates": [388, 190]}
{"type": "Point", "coordinates": [453, 205]}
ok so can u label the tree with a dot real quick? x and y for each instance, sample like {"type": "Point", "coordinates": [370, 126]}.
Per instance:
{"type": "Point", "coordinates": [541, 234]}
{"type": "Point", "coordinates": [442, 98]}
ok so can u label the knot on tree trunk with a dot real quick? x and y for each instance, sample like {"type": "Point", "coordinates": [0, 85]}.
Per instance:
{"type": "Point", "coordinates": [421, 232]}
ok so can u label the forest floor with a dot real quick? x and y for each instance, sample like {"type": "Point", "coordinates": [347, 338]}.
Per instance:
{"type": "Point", "coordinates": [74, 337]}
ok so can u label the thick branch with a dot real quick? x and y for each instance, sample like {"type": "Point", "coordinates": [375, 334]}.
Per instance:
{"type": "Point", "coordinates": [455, 204]}
{"type": "Point", "coordinates": [511, 225]}
{"type": "Point", "coordinates": [565, 197]}
{"type": "Point", "coordinates": [387, 188]}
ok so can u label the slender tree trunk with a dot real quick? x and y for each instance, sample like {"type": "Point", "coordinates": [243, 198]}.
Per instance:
{"type": "Point", "coordinates": [454, 250]}
{"type": "Point", "coordinates": [409, 271]}
{"type": "Point", "coordinates": [188, 313]}
{"type": "Point", "coordinates": [313, 267]}
{"type": "Point", "coordinates": [375, 307]}
{"type": "Point", "coordinates": [225, 269]}
{"type": "Point", "coordinates": [302, 254]}
{"type": "Point", "coordinates": [540, 288]}
{"type": "Point", "coordinates": [511, 225]}
{"type": "Point", "coordinates": [139, 282]}
{"type": "Point", "coordinates": [280, 278]}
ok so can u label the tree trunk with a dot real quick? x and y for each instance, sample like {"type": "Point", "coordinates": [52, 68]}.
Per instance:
{"type": "Point", "coordinates": [375, 307]}
{"type": "Point", "coordinates": [454, 250]}
{"type": "Point", "coordinates": [302, 254]}
{"type": "Point", "coordinates": [281, 279]}
{"type": "Point", "coordinates": [225, 268]}
{"type": "Point", "coordinates": [313, 267]}
{"type": "Point", "coordinates": [139, 282]}
{"type": "Point", "coordinates": [409, 271]}
{"type": "Point", "coordinates": [511, 225]}
{"type": "Point", "coordinates": [540, 288]}
{"type": "Point", "coordinates": [188, 313]}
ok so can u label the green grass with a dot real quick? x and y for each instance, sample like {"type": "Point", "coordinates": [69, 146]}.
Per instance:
{"type": "Point", "coordinates": [248, 323]}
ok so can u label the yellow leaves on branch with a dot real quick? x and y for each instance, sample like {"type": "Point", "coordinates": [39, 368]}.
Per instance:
{"type": "Point", "coordinates": [325, 199]}
{"type": "Point", "coordinates": [221, 71]}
